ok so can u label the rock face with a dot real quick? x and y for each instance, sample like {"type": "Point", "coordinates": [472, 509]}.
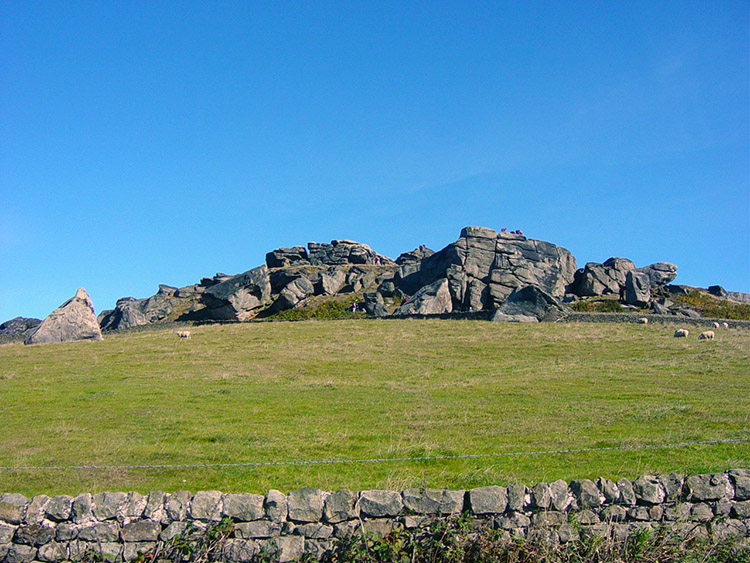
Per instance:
{"type": "Point", "coordinates": [637, 288]}
{"type": "Point", "coordinates": [18, 325]}
{"type": "Point", "coordinates": [611, 277]}
{"type": "Point", "coordinates": [130, 312]}
{"type": "Point", "coordinates": [430, 300]}
{"type": "Point", "coordinates": [341, 252]}
{"type": "Point", "coordinates": [484, 267]}
{"type": "Point", "coordinates": [530, 301]}
{"type": "Point", "coordinates": [73, 320]}
{"type": "Point", "coordinates": [239, 297]}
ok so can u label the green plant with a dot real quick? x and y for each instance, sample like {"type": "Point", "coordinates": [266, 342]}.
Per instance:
{"type": "Point", "coordinates": [598, 306]}
{"type": "Point", "coordinates": [713, 307]}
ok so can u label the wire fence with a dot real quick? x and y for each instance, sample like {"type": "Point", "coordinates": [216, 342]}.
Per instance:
{"type": "Point", "coordinates": [375, 460]}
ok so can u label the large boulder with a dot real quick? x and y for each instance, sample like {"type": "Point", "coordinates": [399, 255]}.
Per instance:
{"type": "Point", "coordinates": [330, 281]}
{"type": "Point", "coordinates": [374, 304]}
{"type": "Point", "coordinates": [240, 297]}
{"type": "Point", "coordinates": [594, 279]}
{"type": "Point", "coordinates": [430, 300]}
{"type": "Point", "coordinates": [18, 325]}
{"type": "Point", "coordinates": [531, 302]}
{"type": "Point", "coordinates": [294, 292]}
{"type": "Point", "coordinates": [660, 273]}
{"type": "Point", "coordinates": [414, 256]}
{"type": "Point", "coordinates": [71, 321]}
{"type": "Point", "coordinates": [484, 267]}
{"type": "Point", "coordinates": [637, 288]}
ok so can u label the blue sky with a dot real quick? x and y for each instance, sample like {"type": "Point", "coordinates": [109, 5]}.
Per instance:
{"type": "Point", "coordinates": [160, 142]}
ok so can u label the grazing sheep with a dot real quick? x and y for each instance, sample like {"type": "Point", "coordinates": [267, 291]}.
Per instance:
{"type": "Point", "coordinates": [643, 321]}
{"type": "Point", "coordinates": [183, 333]}
{"type": "Point", "coordinates": [716, 325]}
{"type": "Point", "coordinates": [726, 325]}
{"type": "Point", "coordinates": [681, 333]}
{"type": "Point", "coordinates": [707, 335]}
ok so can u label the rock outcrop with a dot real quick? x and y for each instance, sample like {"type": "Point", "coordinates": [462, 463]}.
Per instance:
{"type": "Point", "coordinates": [19, 325]}
{"type": "Point", "coordinates": [530, 302]}
{"type": "Point", "coordinates": [239, 297]}
{"type": "Point", "coordinates": [611, 277]}
{"type": "Point", "coordinates": [430, 300]}
{"type": "Point", "coordinates": [73, 320]}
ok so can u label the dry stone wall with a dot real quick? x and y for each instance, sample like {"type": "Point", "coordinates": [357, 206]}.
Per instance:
{"type": "Point", "coordinates": [117, 526]}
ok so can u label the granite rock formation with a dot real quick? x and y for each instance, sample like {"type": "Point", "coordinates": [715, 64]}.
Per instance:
{"type": "Point", "coordinates": [73, 320]}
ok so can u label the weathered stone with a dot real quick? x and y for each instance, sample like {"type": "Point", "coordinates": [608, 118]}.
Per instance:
{"type": "Point", "coordinates": [602, 279]}
{"type": "Point", "coordinates": [377, 504]}
{"type": "Point", "coordinates": [243, 507]}
{"type": "Point", "coordinates": [660, 273]}
{"type": "Point", "coordinates": [10, 513]}
{"type": "Point", "coordinates": [638, 513]}
{"type": "Point", "coordinates": [34, 534]}
{"type": "Point", "coordinates": [19, 325]}
{"type": "Point", "coordinates": [488, 500]}
{"type": "Point", "coordinates": [288, 548]}
{"type": "Point", "coordinates": [331, 281]}
{"type": "Point", "coordinates": [587, 517]}
{"type": "Point", "coordinates": [18, 553]}
{"type": "Point", "coordinates": [713, 486]}
{"type": "Point", "coordinates": [656, 512]}
{"type": "Point", "coordinates": [141, 531]}
{"type": "Point", "coordinates": [560, 495]}
{"type": "Point", "coordinates": [672, 484]}
{"type": "Point", "coordinates": [627, 494]}
{"type": "Point", "coordinates": [637, 289]}
{"type": "Point", "coordinates": [532, 301]}
{"type": "Point", "coordinates": [100, 532]}
{"type": "Point", "coordinates": [380, 526]}
{"type": "Point", "coordinates": [314, 530]}
{"type": "Point", "coordinates": [518, 497]}
{"type": "Point", "coordinates": [723, 530]}
{"type": "Point", "coordinates": [305, 505]}
{"type": "Point", "coordinates": [131, 551]}
{"type": "Point", "coordinates": [35, 509]}
{"type": "Point", "coordinates": [206, 506]}
{"type": "Point", "coordinates": [293, 293]}
{"type": "Point", "coordinates": [176, 505]}
{"type": "Point", "coordinates": [609, 489]}
{"type": "Point", "coordinates": [240, 551]}
{"type": "Point", "coordinates": [567, 533]}
{"type": "Point", "coordinates": [66, 531]}
{"type": "Point", "coordinates": [80, 511]}
{"type": "Point", "coordinates": [173, 530]}
{"type": "Point", "coordinates": [59, 507]}
{"type": "Point", "coordinates": [16, 499]}
{"type": "Point", "coordinates": [106, 505]}
{"type": "Point", "coordinates": [240, 297]}
{"type": "Point", "coordinates": [52, 552]}
{"type": "Point", "coordinates": [133, 508]}
{"type": "Point", "coordinates": [429, 300]}
{"type": "Point", "coordinates": [374, 304]}
{"type": "Point", "coordinates": [678, 512]}
{"type": "Point", "coordinates": [741, 510]}
{"type": "Point", "coordinates": [73, 320]}
{"type": "Point", "coordinates": [284, 257]}
{"type": "Point", "coordinates": [513, 521]}
{"type": "Point", "coordinates": [276, 506]}
{"type": "Point", "coordinates": [433, 501]}
{"type": "Point", "coordinates": [154, 509]}
{"type": "Point", "coordinates": [345, 530]}
{"type": "Point", "coordinates": [587, 494]}
{"type": "Point", "coordinates": [701, 512]}
{"type": "Point", "coordinates": [257, 529]}
{"type": "Point", "coordinates": [741, 480]}
{"type": "Point", "coordinates": [648, 489]}
{"type": "Point", "coordinates": [614, 513]}
{"type": "Point", "coordinates": [549, 518]}
{"type": "Point", "coordinates": [6, 532]}
{"type": "Point", "coordinates": [108, 551]}
{"type": "Point", "coordinates": [499, 317]}
{"type": "Point", "coordinates": [340, 506]}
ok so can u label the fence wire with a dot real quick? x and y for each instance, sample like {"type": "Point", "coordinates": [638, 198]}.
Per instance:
{"type": "Point", "coordinates": [373, 460]}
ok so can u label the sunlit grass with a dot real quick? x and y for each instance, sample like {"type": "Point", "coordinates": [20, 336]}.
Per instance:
{"type": "Point", "coordinates": [361, 389]}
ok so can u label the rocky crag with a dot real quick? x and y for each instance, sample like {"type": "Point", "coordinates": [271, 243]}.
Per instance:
{"type": "Point", "coordinates": [518, 278]}
{"type": "Point", "coordinates": [478, 272]}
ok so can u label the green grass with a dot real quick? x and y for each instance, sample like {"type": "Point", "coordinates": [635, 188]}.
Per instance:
{"type": "Point", "coordinates": [355, 389]}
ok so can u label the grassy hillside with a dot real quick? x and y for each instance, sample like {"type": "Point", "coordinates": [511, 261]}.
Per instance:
{"type": "Point", "coordinates": [353, 389]}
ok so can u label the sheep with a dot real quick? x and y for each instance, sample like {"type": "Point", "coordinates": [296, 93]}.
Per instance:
{"type": "Point", "coordinates": [183, 333]}
{"type": "Point", "coordinates": [681, 333]}
{"type": "Point", "coordinates": [726, 325]}
{"type": "Point", "coordinates": [706, 335]}
{"type": "Point", "coordinates": [716, 325]}
{"type": "Point", "coordinates": [643, 321]}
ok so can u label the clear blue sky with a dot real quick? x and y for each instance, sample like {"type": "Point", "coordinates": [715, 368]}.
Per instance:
{"type": "Point", "coordinates": [160, 142]}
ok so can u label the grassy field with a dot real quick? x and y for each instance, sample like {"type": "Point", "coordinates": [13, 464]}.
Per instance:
{"type": "Point", "coordinates": [353, 389]}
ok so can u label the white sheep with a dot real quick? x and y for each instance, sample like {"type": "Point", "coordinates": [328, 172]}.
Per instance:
{"type": "Point", "coordinates": [716, 325]}
{"type": "Point", "coordinates": [183, 333]}
{"type": "Point", "coordinates": [726, 325]}
{"type": "Point", "coordinates": [643, 321]}
{"type": "Point", "coordinates": [707, 335]}
{"type": "Point", "coordinates": [681, 333]}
